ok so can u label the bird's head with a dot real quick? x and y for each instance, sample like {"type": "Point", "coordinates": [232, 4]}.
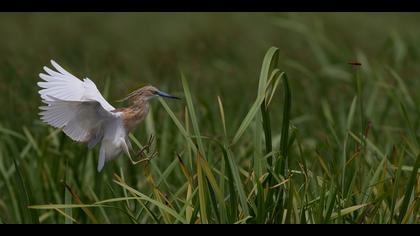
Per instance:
{"type": "Point", "coordinates": [146, 93]}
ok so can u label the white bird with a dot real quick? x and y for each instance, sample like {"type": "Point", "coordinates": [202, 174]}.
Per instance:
{"type": "Point", "coordinates": [85, 116]}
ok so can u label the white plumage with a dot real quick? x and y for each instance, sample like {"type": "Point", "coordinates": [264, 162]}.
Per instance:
{"type": "Point", "coordinates": [79, 109]}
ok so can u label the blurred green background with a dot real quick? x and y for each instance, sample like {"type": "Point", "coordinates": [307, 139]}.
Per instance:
{"type": "Point", "coordinates": [220, 52]}
{"type": "Point", "coordinates": [221, 55]}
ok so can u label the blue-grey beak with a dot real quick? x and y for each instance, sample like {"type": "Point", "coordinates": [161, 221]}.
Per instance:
{"type": "Point", "coordinates": [165, 95]}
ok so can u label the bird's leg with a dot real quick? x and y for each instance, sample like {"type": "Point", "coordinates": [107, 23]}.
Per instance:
{"type": "Point", "coordinates": [131, 159]}
{"type": "Point", "coordinates": [150, 155]}
{"type": "Point", "coordinates": [125, 148]}
{"type": "Point", "coordinates": [150, 142]}
{"type": "Point", "coordinates": [141, 152]}
{"type": "Point", "coordinates": [154, 153]}
{"type": "Point", "coordinates": [127, 140]}
{"type": "Point", "coordinates": [127, 151]}
{"type": "Point", "coordinates": [146, 147]}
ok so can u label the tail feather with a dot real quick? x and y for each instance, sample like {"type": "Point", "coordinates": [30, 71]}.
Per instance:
{"type": "Point", "coordinates": [102, 156]}
{"type": "Point", "coordinates": [95, 139]}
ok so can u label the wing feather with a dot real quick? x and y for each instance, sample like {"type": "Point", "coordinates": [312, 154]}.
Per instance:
{"type": "Point", "coordinates": [80, 120]}
{"type": "Point", "coordinates": [74, 105]}
{"type": "Point", "coordinates": [63, 71]}
{"type": "Point", "coordinates": [65, 86]}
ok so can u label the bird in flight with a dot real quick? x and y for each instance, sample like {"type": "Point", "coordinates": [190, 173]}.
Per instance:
{"type": "Point", "coordinates": [79, 109]}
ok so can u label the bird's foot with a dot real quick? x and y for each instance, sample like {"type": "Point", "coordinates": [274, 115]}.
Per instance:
{"type": "Point", "coordinates": [144, 153]}
{"type": "Point", "coordinates": [147, 159]}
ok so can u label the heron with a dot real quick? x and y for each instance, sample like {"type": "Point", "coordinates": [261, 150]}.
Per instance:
{"type": "Point", "coordinates": [79, 109]}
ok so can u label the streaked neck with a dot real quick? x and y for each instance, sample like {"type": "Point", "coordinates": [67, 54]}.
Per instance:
{"type": "Point", "coordinates": [135, 113]}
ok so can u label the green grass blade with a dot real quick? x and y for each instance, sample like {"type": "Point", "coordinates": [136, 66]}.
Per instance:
{"type": "Point", "coordinates": [23, 195]}
{"type": "Point", "coordinates": [347, 211]}
{"type": "Point", "coordinates": [238, 183]}
{"type": "Point", "coordinates": [178, 124]}
{"type": "Point", "coordinates": [215, 187]}
{"type": "Point", "coordinates": [67, 197]}
{"type": "Point", "coordinates": [222, 115]}
{"type": "Point", "coordinates": [154, 202]}
{"type": "Point", "coordinates": [201, 195]}
{"type": "Point", "coordinates": [248, 119]}
{"type": "Point", "coordinates": [409, 190]}
{"type": "Point", "coordinates": [193, 116]}
{"type": "Point", "coordinates": [283, 162]}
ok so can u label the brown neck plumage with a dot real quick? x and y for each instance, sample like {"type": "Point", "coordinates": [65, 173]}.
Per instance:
{"type": "Point", "coordinates": [135, 113]}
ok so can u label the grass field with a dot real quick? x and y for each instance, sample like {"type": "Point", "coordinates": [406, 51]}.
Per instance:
{"type": "Point", "coordinates": [274, 125]}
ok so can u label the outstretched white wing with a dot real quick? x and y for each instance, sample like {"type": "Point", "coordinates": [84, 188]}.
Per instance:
{"type": "Point", "coordinates": [65, 86]}
{"type": "Point", "coordinates": [74, 105]}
